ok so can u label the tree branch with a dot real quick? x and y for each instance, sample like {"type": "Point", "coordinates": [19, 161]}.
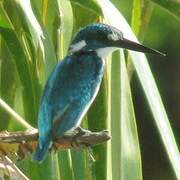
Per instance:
{"type": "Point", "coordinates": [22, 143]}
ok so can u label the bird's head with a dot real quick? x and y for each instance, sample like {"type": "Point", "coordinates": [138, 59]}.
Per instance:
{"type": "Point", "coordinates": [103, 39]}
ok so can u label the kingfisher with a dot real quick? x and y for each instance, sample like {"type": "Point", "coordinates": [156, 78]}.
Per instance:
{"type": "Point", "coordinates": [74, 83]}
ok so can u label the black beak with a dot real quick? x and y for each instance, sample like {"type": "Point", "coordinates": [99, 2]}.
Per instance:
{"type": "Point", "coordinates": [127, 44]}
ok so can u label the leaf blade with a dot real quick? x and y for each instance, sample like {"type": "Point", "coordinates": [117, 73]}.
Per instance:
{"type": "Point", "coordinates": [130, 151]}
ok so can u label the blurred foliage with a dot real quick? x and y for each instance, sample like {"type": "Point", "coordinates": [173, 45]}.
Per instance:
{"type": "Point", "coordinates": [172, 6]}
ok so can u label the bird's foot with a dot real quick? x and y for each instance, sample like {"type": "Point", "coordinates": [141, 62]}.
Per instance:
{"type": "Point", "coordinates": [79, 132]}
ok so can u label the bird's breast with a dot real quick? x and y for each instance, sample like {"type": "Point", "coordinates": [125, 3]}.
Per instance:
{"type": "Point", "coordinates": [87, 72]}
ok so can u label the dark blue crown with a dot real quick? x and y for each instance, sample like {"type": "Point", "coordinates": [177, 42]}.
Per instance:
{"type": "Point", "coordinates": [98, 31]}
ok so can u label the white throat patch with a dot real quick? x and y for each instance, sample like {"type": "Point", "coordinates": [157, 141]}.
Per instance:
{"type": "Point", "coordinates": [77, 46]}
{"type": "Point", "coordinates": [103, 52]}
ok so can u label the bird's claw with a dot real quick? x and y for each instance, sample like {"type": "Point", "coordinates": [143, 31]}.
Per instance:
{"type": "Point", "coordinates": [79, 132]}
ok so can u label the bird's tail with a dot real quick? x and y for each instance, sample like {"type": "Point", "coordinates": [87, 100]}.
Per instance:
{"type": "Point", "coordinates": [42, 149]}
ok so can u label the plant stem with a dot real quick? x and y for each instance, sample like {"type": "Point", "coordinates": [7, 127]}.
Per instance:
{"type": "Point", "coordinates": [16, 116]}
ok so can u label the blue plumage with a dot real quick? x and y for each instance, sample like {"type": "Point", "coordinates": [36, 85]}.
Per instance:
{"type": "Point", "coordinates": [75, 81]}
{"type": "Point", "coordinates": [68, 92]}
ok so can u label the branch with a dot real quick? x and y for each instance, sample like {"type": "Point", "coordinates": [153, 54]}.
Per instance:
{"type": "Point", "coordinates": [22, 143]}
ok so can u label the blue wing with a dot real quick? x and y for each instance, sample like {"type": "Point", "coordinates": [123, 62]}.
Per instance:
{"type": "Point", "coordinates": [68, 94]}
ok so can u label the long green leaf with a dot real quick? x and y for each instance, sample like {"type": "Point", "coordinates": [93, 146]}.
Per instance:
{"type": "Point", "coordinates": [90, 5]}
{"type": "Point", "coordinates": [3, 21]}
{"type": "Point", "coordinates": [130, 152]}
{"type": "Point", "coordinates": [79, 12]}
{"type": "Point", "coordinates": [8, 84]}
{"type": "Point", "coordinates": [65, 165]}
{"type": "Point", "coordinates": [136, 16]}
{"type": "Point", "coordinates": [115, 116]}
{"type": "Point", "coordinates": [146, 13]}
{"type": "Point", "coordinates": [80, 169]}
{"type": "Point", "coordinates": [31, 22]}
{"type": "Point", "coordinates": [97, 120]}
{"type": "Point", "coordinates": [64, 31]}
{"type": "Point", "coordinates": [23, 70]}
{"type": "Point", "coordinates": [23, 31]}
{"type": "Point", "coordinates": [172, 6]}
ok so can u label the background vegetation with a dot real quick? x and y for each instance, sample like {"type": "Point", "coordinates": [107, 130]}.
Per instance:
{"type": "Point", "coordinates": [36, 34]}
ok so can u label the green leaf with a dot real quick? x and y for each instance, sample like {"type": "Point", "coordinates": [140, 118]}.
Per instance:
{"type": "Point", "coordinates": [36, 171]}
{"type": "Point", "coordinates": [3, 19]}
{"type": "Point", "coordinates": [80, 169]}
{"type": "Point", "coordinates": [136, 16]}
{"type": "Point", "coordinates": [97, 120]}
{"type": "Point", "coordinates": [7, 84]}
{"type": "Point", "coordinates": [115, 116]}
{"type": "Point", "coordinates": [130, 151]}
{"type": "Point", "coordinates": [172, 6]}
{"type": "Point", "coordinates": [22, 65]}
{"type": "Point", "coordinates": [89, 4]}
{"type": "Point", "coordinates": [146, 13]}
{"type": "Point", "coordinates": [25, 10]}
{"type": "Point", "coordinates": [64, 31]}
{"type": "Point", "coordinates": [65, 165]}
{"type": "Point", "coordinates": [48, 15]}
{"type": "Point", "coordinates": [22, 31]}
{"type": "Point", "coordinates": [79, 12]}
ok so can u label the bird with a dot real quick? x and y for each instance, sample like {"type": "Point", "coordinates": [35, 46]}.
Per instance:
{"type": "Point", "coordinates": [74, 83]}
